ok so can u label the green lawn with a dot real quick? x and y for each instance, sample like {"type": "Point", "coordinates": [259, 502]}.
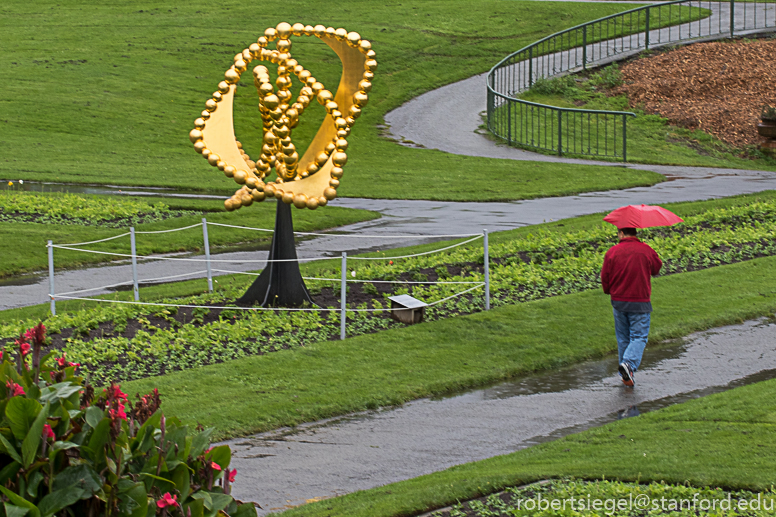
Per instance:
{"type": "Point", "coordinates": [23, 245]}
{"type": "Point", "coordinates": [724, 440]}
{"type": "Point", "coordinates": [107, 93]}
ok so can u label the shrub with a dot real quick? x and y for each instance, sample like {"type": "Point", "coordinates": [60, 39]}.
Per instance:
{"type": "Point", "coordinates": [65, 450]}
{"type": "Point", "coordinates": [555, 86]}
{"type": "Point", "coordinates": [609, 77]}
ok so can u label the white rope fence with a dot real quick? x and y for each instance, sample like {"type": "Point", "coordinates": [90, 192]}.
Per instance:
{"type": "Point", "coordinates": [74, 295]}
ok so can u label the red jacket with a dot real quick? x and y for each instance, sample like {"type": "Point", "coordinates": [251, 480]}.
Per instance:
{"type": "Point", "coordinates": [627, 269]}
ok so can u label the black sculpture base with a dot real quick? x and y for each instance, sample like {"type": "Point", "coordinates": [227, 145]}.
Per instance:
{"type": "Point", "coordinates": [281, 283]}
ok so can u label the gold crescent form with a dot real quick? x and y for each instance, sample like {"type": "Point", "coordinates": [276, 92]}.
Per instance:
{"type": "Point", "coordinates": [312, 180]}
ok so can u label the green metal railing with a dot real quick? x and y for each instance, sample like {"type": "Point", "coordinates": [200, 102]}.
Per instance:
{"type": "Point", "coordinates": [596, 132]}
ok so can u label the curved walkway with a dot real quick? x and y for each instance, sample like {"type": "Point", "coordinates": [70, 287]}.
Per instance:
{"type": "Point", "coordinates": [459, 107]}
{"type": "Point", "coordinates": [324, 459]}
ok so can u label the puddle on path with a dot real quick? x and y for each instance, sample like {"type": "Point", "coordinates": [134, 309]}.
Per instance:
{"type": "Point", "coordinates": [360, 451]}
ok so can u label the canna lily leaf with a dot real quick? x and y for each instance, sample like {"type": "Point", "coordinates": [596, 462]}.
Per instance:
{"type": "Point", "coordinates": [21, 502]}
{"type": "Point", "coordinates": [21, 412]}
{"type": "Point", "coordinates": [10, 449]}
{"type": "Point", "coordinates": [34, 436]}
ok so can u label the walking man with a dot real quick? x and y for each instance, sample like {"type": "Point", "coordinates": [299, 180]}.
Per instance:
{"type": "Point", "coordinates": [626, 277]}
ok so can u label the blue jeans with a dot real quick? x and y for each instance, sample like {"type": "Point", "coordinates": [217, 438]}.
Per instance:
{"type": "Point", "coordinates": [632, 330]}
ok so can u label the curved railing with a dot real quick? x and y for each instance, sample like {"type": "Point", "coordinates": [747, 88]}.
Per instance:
{"type": "Point", "coordinates": [595, 132]}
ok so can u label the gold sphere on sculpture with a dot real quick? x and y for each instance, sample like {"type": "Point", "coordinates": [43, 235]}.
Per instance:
{"type": "Point", "coordinates": [322, 201]}
{"type": "Point", "coordinates": [298, 29]}
{"type": "Point", "coordinates": [199, 146]}
{"type": "Point", "coordinates": [288, 197]}
{"type": "Point", "coordinates": [229, 171]}
{"type": "Point", "coordinates": [336, 172]}
{"type": "Point", "coordinates": [353, 39]}
{"type": "Point", "coordinates": [329, 193]}
{"type": "Point", "coordinates": [195, 135]}
{"type": "Point", "coordinates": [341, 144]}
{"type": "Point", "coordinates": [270, 34]}
{"type": "Point", "coordinates": [213, 159]}
{"type": "Point", "coordinates": [365, 86]}
{"type": "Point", "coordinates": [258, 195]}
{"type": "Point", "coordinates": [312, 203]}
{"type": "Point", "coordinates": [251, 181]}
{"type": "Point", "coordinates": [360, 99]}
{"type": "Point", "coordinates": [283, 30]}
{"type": "Point", "coordinates": [340, 34]}
{"type": "Point", "coordinates": [300, 201]}
{"type": "Point", "coordinates": [231, 76]}
{"type": "Point", "coordinates": [223, 87]}
{"type": "Point", "coordinates": [271, 101]}
{"type": "Point", "coordinates": [284, 45]}
{"type": "Point", "coordinates": [339, 159]}
{"type": "Point", "coordinates": [319, 30]}
{"type": "Point", "coordinates": [324, 96]}
{"type": "Point", "coordinates": [370, 65]}
{"type": "Point", "coordinates": [240, 176]}
{"type": "Point", "coordinates": [334, 183]}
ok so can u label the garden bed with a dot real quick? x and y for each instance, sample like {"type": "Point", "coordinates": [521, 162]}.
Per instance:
{"type": "Point", "coordinates": [122, 342]}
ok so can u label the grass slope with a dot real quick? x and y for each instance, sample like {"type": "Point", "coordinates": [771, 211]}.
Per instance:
{"type": "Point", "coordinates": [724, 440]}
{"type": "Point", "coordinates": [261, 393]}
{"type": "Point", "coordinates": [108, 93]}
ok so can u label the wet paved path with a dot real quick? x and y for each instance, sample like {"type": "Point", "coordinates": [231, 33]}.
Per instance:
{"type": "Point", "coordinates": [414, 218]}
{"type": "Point", "coordinates": [343, 455]}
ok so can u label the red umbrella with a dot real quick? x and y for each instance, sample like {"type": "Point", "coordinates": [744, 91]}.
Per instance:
{"type": "Point", "coordinates": [642, 216]}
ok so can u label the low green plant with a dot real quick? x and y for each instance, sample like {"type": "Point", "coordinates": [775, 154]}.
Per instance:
{"type": "Point", "coordinates": [608, 77]}
{"type": "Point", "coordinates": [65, 450]}
{"type": "Point", "coordinates": [20, 206]}
{"type": "Point", "coordinates": [554, 86]}
{"type": "Point", "coordinates": [768, 113]}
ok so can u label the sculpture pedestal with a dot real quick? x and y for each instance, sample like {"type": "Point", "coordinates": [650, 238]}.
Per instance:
{"type": "Point", "coordinates": [281, 283]}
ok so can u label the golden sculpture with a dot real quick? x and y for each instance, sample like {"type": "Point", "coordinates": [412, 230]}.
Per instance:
{"type": "Point", "coordinates": [312, 180]}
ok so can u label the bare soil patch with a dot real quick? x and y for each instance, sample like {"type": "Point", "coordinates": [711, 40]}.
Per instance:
{"type": "Point", "coordinates": [718, 87]}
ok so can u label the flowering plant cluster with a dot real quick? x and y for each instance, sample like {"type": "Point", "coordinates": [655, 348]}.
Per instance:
{"type": "Point", "coordinates": [68, 450]}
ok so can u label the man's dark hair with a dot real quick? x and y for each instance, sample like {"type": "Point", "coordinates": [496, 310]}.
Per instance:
{"type": "Point", "coordinates": [629, 232]}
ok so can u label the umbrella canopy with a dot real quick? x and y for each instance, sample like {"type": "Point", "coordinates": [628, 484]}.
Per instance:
{"type": "Point", "coordinates": [642, 216]}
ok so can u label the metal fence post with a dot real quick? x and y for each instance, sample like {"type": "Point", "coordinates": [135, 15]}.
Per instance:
{"type": "Point", "coordinates": [207, 255]}
{"type": "Point", "coordinates": [343, 294]}
{"type": "Point", "coordinates": [50, 247]}
{"type": "Point", "coordinates": [560, 133]}
{"type": "Point", "coordinates": [584, 47]}
{"type": "Point", "coordinates": [530, 66]}
{"type": "Point", "coordinates": [134, 263]}
{"type": "Point", "coordinates": [646, 34]}
{"type": "Point", "coordinates": [625, 138]}
{"type": "Point", "coordinates": [732, 16]}
{"type": "Point", "coordinates": [509, 120]}
{"type": "Point", "coordinates": [486, 261]}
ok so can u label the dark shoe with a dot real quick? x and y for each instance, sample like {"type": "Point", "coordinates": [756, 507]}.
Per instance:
{"type": "Point", "coordinates": [626, 373]}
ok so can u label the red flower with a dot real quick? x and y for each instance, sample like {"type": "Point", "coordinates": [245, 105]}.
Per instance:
{"type": "Point", "coordinates": [119, 413]}
{"type": "Point", "coordinates": [14, 388]}
{"type": "Point", "coordinates": [61, 361]}
{"type": "Point", "coordinates": [232, 475]}
{"type": "Point", "coordinates": [215, 465]}
{"type": "Point", "coordinates": [117, 393]}
{"type": "Point", "coordinates": [47, 432]}
{"type": "Point", "coordinates": [390, 262]}
{"type": "Point", "coordinates": [167, 500]}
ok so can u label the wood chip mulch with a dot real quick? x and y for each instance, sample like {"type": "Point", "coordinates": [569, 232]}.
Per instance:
{"type": "Point", "coordinates": [717, 87]}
